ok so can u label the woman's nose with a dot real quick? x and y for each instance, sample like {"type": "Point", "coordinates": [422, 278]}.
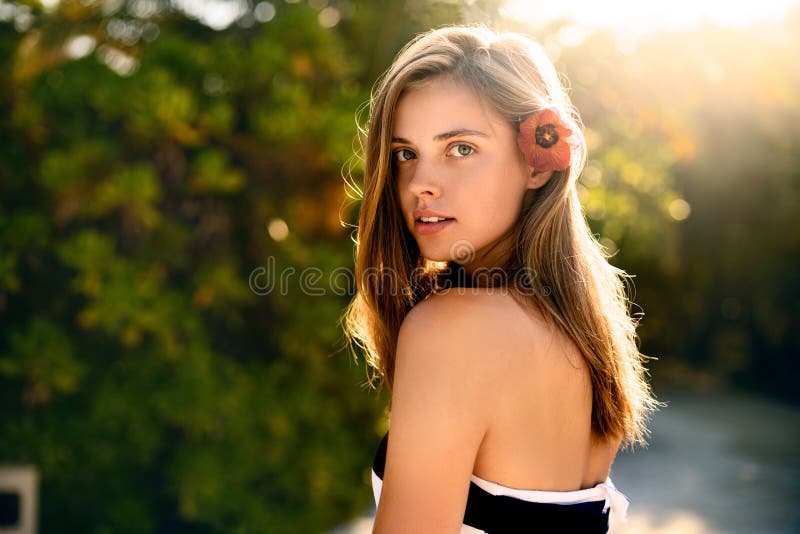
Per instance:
{"type": "Point", "coordinates": [423, 182]}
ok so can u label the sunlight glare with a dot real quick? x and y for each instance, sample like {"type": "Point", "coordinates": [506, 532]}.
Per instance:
{"type": "Point", "coordinates": [632, 16]}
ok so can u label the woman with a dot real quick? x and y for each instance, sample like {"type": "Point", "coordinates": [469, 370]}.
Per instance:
{"type": "Point", "coordinates": [509, 400]}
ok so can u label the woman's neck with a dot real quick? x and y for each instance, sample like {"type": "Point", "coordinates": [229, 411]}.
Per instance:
{"type": "Point", "coordinates": [493, 258]}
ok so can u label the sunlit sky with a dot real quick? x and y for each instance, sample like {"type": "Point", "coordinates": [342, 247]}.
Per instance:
{"type": "Point", "coordinates": [642, 16]}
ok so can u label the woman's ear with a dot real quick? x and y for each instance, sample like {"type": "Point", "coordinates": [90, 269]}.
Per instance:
{"type": "Point", "coordinates": [538, 179]}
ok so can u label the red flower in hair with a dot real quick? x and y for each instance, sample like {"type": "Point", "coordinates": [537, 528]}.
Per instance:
{"type": "Point", "coordinates": [544, 140]}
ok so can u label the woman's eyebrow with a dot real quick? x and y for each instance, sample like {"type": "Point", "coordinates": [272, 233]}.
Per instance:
{"type": "Point", "coordinates": [459, 131]}
{"type": "Point", "coordinates": [446, 135]}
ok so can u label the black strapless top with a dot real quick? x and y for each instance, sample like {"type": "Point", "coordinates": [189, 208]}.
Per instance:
{"type": "Point", "coordinates": [492, 513]}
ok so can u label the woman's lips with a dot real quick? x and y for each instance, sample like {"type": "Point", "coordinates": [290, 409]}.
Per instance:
{"type": "Point", "coordinates": [430, 228]}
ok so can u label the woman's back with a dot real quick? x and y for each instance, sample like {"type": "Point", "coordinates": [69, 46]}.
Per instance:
{"type": "Point", "coordinates": [539, 436]}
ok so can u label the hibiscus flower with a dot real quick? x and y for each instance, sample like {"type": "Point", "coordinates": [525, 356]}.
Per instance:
{"type": "Point", "coordinates": [544, 140]}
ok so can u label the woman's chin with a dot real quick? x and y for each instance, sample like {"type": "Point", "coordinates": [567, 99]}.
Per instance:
{"type": "Point", "coordinates": [436, 255]}
{"type": "Point", "coordinates": [461, 251]}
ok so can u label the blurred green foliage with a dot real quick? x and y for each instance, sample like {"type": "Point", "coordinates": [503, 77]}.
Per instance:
{"type": "Point", "coordinates": [150, 164]}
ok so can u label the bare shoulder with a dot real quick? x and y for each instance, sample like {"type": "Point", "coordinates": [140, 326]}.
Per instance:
{"type": "Point", "coordinates": [467, 329]}
{"type": "Point", "coordinates": [448, 339]}
{"type": "Point", "coordinates": [484, 324]}
{"type": "Point", "coordinates": [484, 307]}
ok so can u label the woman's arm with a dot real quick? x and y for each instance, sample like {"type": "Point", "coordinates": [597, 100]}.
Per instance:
{"type": "Point", "coordinates": [439, 415]}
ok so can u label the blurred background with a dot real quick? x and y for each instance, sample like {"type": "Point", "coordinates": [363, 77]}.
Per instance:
{"type": "Point", "coordinates": [176, 243]}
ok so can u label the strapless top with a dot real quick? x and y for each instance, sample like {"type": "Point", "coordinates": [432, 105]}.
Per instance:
{"type": "Point", "coordinates": [495, 508]}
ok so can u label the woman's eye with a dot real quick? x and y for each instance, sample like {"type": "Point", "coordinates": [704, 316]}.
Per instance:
{"type": "Point", "coordinates": [463, 150]}
{"type": "Point", "coordinates": [404, 154]}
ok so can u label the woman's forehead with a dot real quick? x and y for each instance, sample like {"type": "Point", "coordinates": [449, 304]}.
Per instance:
{"type": "Point", "coordinates": [442, 105]}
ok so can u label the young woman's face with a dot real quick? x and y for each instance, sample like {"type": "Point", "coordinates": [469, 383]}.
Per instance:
{"type": "Point", "coordinates": [458, 160]}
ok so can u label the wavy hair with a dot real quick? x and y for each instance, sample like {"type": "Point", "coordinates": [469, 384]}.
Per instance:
{"type": "Point", "coordinates": [584, 295]}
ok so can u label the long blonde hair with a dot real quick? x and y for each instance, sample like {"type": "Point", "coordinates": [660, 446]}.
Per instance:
{"type": "Point", "coordinates": [584, 295]}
